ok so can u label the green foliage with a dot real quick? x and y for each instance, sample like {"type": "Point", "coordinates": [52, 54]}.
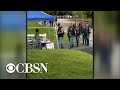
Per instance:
{"type": "Point", "coordinates": [85, 14]}
{"type": "Point", "coordinates": [34, 24]}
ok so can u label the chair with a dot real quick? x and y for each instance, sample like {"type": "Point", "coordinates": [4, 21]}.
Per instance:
{"type": "Point", "coordinates": [30, 43]}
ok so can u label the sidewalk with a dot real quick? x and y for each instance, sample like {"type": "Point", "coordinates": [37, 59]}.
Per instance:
{"type": "Point", "coordinates": [84, 48]}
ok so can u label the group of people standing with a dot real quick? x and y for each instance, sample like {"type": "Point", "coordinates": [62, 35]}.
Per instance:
{"type": "Point", "coordinates": [74, 30]}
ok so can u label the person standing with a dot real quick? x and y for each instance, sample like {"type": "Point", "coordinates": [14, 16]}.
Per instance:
{"type": "Point", "coordinates": [78, 32]}
{"type": "Point", "coordinates": [37, 42]}
{"type": "Point", "coordinates": [56, 20]}
{"type": "Point", "coordinates": [50, 23]}
{"type": "Point", "coordinates": [87, 33]}
{"type": "Point", "coordinates": [83, 32]}
{"type": "Point", "coordinates": [60, 33]}
{"type": "Point", "coordinates": [72, 36]}
{"type": "Point", "coordinates": [69, 34]}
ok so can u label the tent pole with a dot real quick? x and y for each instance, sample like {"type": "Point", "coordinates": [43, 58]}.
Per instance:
{"type": "Point", "coordinates": [49, 31]}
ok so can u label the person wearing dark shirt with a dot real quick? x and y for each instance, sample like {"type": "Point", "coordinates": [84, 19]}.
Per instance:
{"type": "Point", "coordinates": [83, 32]}
{"type": "Point", "coordinates": [60, 33]}
{"type": "Point", "coordinates": [72, 33]}
{"type": "Point", "coordinates": [50, 23]}
{"type": "Point", "coordinates": [69, 34]}
{"type": "Point", "coordinates": [78, 33]}
{"type": "Point", "coordinates": [56, 21]}
{"type": "Point", "coordinates": [87, 33]}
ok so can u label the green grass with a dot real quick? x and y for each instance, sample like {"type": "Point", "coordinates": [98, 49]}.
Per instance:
{"type": "Point", "coordinates": [62, 64]}
{"type": "Point", "coordinates": [34, 24]}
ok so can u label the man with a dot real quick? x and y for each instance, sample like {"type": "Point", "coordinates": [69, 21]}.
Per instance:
{"type": "Point", "coordinates": [87, 33]}
{"type": "Point", "coordinates": [60, 33]}
{"type": "Point", "coordinates": [78, 32]}
{"type": "Point", "coordinates": [69, 33]}
{"type": "Point", "coordinates": [56, 21]}
{"type": "Point", "coordinates": [83, 32]}
{"type": "Point", "coordinates": [72, 33]}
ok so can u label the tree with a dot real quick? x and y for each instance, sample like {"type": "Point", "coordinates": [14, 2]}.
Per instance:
{"type": "Point", "coordinates": [84, 14]}
{"type": "Point", "coordinates": [59, 12]}
{"type": "Point", "coordinates": [87, 14]}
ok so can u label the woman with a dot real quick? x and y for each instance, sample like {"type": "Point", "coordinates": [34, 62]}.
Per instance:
{"type": "Point", "coordinates": [37, 39]}
{"type": "Point", "coordinates": [60, 33]}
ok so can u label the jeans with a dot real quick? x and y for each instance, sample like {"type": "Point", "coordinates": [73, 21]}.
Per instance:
{"type": "Point", "coordinates": [77, 39]}
{"type": "Point", "coordinates": [71, 41]}
{"type": "Point", "coordinates": [69, 38]}
{"type": "Point", "coordinates": [87, 39]}
{"type": "Point", "coordinates": [60, 42]}
{"type": "Point", "coordinates": [84, 39]}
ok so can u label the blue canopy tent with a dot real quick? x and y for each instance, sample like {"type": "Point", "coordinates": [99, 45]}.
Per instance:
{"type": "Point", "coordinates": [40, 16]}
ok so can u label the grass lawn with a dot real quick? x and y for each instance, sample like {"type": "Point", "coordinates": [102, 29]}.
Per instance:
{"type": "Point", "coordinates": [62, 64]}
{"type": "Point", "coordinates": [34, 24]}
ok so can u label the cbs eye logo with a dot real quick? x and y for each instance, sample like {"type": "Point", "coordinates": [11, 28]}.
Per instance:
{"type": "Point", "coordinates": [10, 68]}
